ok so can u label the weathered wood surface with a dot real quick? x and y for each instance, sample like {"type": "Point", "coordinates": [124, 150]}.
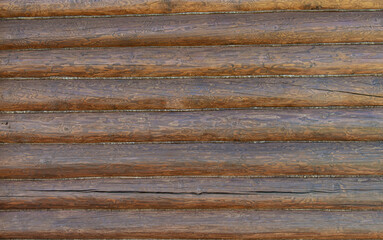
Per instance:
{"type": "Point", "coordinates": [193, 61]}
{"type": "Point", "coordinates": [155, 174]}
{"type": "Point", "coordinates": [187, 30]}
{"type": "Point", "coordinates": [249, 224]}
{"type": "Point", "coordinates": [191, 159]}
{"type": "Point", "coordinates": [194, 193]}
{"type": "Point", "coordinates": [19, 8]}
{"type": "Point", "coordinates": [364, 124]}
{"type": "Point", "coordinates": [189, 93]}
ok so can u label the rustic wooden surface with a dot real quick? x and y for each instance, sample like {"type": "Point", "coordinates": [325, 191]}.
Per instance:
{"type": "Point", "coordinates": [193, 61]}
{"type": "Point", "coordinates": [187, 30]}
{"type": "Point", "coordinates": [189, 93]}
{"type": "Point", "coordinates": [194, 193]}
{"type": "Point", "coordinates": [190, 159]}
{"type": "Point", "coordinates": [133, 101]}
{"type": "Point", "coordinates": [19, 8]}
{"type": "Point", "coordinates": [228, 125]}
{"type": "Point", "coordinates": [248, 224]}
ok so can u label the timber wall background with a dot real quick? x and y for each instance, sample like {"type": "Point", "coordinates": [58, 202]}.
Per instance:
{"type": "Point", "coordinates": [257, 119]}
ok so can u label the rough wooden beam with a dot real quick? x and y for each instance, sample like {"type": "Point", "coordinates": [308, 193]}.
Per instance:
{"type": "Point", "coordinates": [187, 30]}
{"type": "Point", "coordinates": [12, 8]}
{"type": "Point", "coordinates": [364, 124]}
{"type": "Point", "coordinates": [198, 159]}
{"type": "Point", "coordinates": [193, 61]}
{"type": "Point", "coordinates": [194, 193]}
{"type": "Point", "coordinates": [189, 93]}
{"type": "Point", "coordinates": [189, 224]}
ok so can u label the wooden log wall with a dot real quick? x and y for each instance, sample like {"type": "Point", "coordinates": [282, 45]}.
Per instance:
{"type": "Point", "coordinates": [201, 119]}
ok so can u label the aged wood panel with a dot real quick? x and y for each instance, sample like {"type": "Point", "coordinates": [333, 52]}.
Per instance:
{"type": "Point", "coordinates": [228, 125]}
{"type": "Point", "coordinates": [193, 61]}
{"type": "Point", "coordinates": [186, 30]}
{"type": "Point", "coordinates": [193, 159]}
{"type": "Point", "coordinates": [190, 193]}
{"type": "Point", "coordinates": [18, 8]}
{"type": "Point", "coordinates": [249, 224]}
{"type": "Point", "coordinates": [189, 93]}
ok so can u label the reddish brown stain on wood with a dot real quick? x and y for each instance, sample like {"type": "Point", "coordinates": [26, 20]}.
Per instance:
{"type": "Point", "coordinates": [18, 8]}
{"type": "Point", "coordinates": [186, 30]}
{"type": "Point", "coordinates": [190, 159]}
{"type": "Point", "coordinates": [195, 193]}
{"type": "Point", "coordinates": [190, 93]}
{"type": "Point", "coordinates": [193, 61]}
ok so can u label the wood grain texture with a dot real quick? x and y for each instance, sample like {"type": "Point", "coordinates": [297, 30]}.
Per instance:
{"type": "Point", "coordinates": [33, 8]}
{"type": "Point", "coordinates": [194, 159]}
{"type": "Point", "coordinates": [228, 125]}
{"type": "Point", "coordinates": [191, 193]}
{"type": "Point", "coordinates": [193, 61]}
{"type": "Point", "coordinates": [247, 224]}
{"type": "Point", "coordinates": [186, 30]}
{"type": "Point", "coordinates": [191, 93]}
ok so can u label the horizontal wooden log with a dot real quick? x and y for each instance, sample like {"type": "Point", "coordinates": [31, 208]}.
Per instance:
{"type": "Point", "coordinates": [193, 61]}
{"type": "Point", "coordinates": [187, 30]}
{"type": "Point", "coordinates": [228, 125]}
{"type": "Point", "coordinates": [190, 193]}
{"type": "Point", "coordinates": [248, 224]}
{"type": "Point", "coordinates": [191, 93]}
{"type": "Point", "coordinates": [13, 8]}
{"type": "Point", "coordinates": [204, 159]}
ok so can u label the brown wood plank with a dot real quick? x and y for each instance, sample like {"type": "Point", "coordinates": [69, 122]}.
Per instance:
{"type": "Point", "coordinates": [190, 93]}
{"type": "Point", "coordinates": [249, 224]}
{"type": "Point", "coordinates": [18, 8]}
{"type": "Point", "coordinates": [228, 125]}
{"type": "Point", "coordinates": [204, 159]}
{"type": "Point", "coordinates": [191, 193]}
{"type": "Point", "coordinates": [193, 61]}
{"type": "Point", "coordinates": [187, 30]}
